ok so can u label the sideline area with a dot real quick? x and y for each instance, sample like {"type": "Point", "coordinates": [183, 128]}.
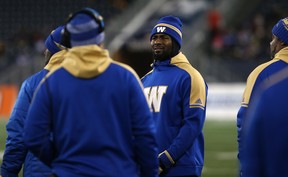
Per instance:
{"type": "Point", "coordinates": [224, 100]}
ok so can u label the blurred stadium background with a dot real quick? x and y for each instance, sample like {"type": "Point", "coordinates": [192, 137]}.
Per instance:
{"type": "Point", "coordinates": [224, 40]}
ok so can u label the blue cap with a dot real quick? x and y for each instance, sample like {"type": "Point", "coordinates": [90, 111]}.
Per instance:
{"type": "Point", "coordinates": [53, 41]}
{"type": "Point", "coordinates": [280, 30]}
{"type": "Point", "coordinates": [84, 29]}
{"type": "Point", "coordinates": [171, 26]}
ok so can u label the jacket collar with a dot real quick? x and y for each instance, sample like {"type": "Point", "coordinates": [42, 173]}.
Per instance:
{"type": "Point", "coordinates": [86, 61]}
{"type": "Point", "coordinates": [282, 55]}
{"type": "Point", "coordinates": [55, 60]}
{"type": "Point", "coordinates": [179, 58]}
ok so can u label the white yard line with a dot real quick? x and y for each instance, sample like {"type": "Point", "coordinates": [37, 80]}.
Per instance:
{"type": "Point", "coordinates": [226, 155]}
{"type": "Point", "coordinates": [1, 155]}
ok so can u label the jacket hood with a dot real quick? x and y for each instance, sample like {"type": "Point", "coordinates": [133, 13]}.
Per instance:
{"type": "Point", "coordinates": [86, 61]}
{"type": "Point", "coordinates": [282, 55]}
{"type": "Point", "coordinates": [179, 58]}
{"type": "Point", "coordinates": [56, 60]}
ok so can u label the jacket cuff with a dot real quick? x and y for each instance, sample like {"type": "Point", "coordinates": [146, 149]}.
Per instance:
{"type": "Point", "coordinates": [166, 160]}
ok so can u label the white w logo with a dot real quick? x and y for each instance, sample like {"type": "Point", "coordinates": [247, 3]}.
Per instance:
{"type": "Point", "coordinates": [161, 29]}
{"type": "Point", "coordinates": [154, 95]}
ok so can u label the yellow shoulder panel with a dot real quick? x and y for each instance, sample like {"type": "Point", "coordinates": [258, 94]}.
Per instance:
{"type": "Point", "coordinates": [198, 87]}
{"type": "Point", "coordinates": [251, 81]}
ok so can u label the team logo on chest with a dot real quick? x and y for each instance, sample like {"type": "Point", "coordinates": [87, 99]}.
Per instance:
{"type": "Point", "coordinates": [155, 95]}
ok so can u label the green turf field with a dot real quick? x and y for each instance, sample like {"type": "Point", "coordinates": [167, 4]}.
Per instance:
{"type": "Point", "coordinates": [220, 148]}
{"type": "Point", "coordinates": [2, 135]}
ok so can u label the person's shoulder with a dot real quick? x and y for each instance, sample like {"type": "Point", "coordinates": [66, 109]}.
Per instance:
{"type": "Point", "coordinates": [55, 73]}
{"type": "Point", "coordinates": [279, 80]}
{"type": "Point", "coordinates": [124, 67]}
{"type": "Point", "coordinates": [183, 63]}
{"type": "Point", "coordinates": [147, 74]}
{"type": "Point", "coordinates": [34, 80]}
{"type": "Point", "coordinates": [272, 96]}
{"type": "Point", "coordinates": [260, 68]}
{"type": "Point", "coordinates": [190, 71]}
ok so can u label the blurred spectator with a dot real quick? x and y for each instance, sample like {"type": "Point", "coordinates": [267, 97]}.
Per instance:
{"type": "Point", "coordinates": [248, 40]}
{"type": "Point", "coordinates": [3, 59]}
{"type": "Point", "coordinates": [24, 25]}
{"type": "Point", "coordinates": [214, 36]}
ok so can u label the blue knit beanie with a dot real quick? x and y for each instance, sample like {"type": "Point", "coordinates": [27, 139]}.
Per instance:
{"type": "Point", "coordinates": [53, 41]}
{"type": "Point", "coordinates": [84, 30]}
{"type": "Point", "coordinates": [171, 26]}
{"type": "Point", "coordinates": [280, 30]}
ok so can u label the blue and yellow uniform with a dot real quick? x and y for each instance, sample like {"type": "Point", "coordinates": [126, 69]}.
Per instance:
{"type": "Point", "coordinates": [15, 148]}
{"type": "Point", "coordinates": [98, 115]}
{"type": "Point", "coordinates": [265, 134]}
{"type": "Point", "coordinates": [177, 95]}
{"type": "Point", "coordinates": [16, 153]}
{"type": "Point", "coordinates": [254, 81]}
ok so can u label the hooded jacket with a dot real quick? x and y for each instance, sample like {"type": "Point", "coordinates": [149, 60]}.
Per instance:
{"type": "Point", "coordinates": [265, 134]}
{"type": "Point", "coordinates": [254, 82]}
{"type": "Point", "coordinates": [177, 95]}
{"type": "Point", "coordinates": [16, 153]}
{"type": "Point", "coordinates": [98, 115]}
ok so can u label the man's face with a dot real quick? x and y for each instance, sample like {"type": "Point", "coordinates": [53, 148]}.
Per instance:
{"type": "Point", "coordinates": [161, 46]}
{"type": "Point", "coordinates": [275, 46]}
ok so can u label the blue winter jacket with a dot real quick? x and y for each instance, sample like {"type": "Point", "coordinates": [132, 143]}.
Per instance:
{"type": "Point", "coordinates": [177, 95]}
{"type": "Point", "coordinates": [99, 118]}
{"type": "Point", "coordinates": [260, 74]}
{"type": "Point", "coordinates": [16, 153]}
{"type": "Point", "coordinates": [265, 134]}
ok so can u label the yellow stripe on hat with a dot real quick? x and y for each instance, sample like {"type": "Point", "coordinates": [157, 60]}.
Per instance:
{"type": "Point", "coordinates": [285, 20]}
{"type": "Point", "coordinates": [170, 26]}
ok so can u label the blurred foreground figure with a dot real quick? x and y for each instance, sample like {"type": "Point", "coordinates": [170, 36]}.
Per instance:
{"type": "Point", "coordinates": [177, 95]}
{"type": "Point", "coordinates": [95, 109]}
{"type": "Point", "coordinates": [16, 153]}
{"type": "Point", "coordinates": [279, 55]}
{"type": "Point", "coordinates": [265, 134]}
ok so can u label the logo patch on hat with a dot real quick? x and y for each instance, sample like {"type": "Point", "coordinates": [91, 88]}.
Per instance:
{"type": "Point", "coordinates": [161, 29]}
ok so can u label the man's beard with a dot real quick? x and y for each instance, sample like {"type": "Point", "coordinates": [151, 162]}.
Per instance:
{"type": "Point", "coordinates": [167, 54]}
{"type": "Point", "coordinates": [163, 56]}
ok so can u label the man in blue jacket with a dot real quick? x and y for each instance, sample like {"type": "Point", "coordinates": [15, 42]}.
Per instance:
{"type": "Point", "coordinates": [279, 55]}
{"type": "Point", "coordinates": [16, 153]}
{"type": "Point", "coordinates": [94, 108]}
{"type": "Point", "coordinates": [265, 134]}
{"type": "Point", "coordinates": [177, 95]}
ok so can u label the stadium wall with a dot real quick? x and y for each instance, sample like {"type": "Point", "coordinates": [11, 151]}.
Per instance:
{"type": "Point", "coordinates": [224, 100]}
{"type": "Point", "coordinates": [8, 95]}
